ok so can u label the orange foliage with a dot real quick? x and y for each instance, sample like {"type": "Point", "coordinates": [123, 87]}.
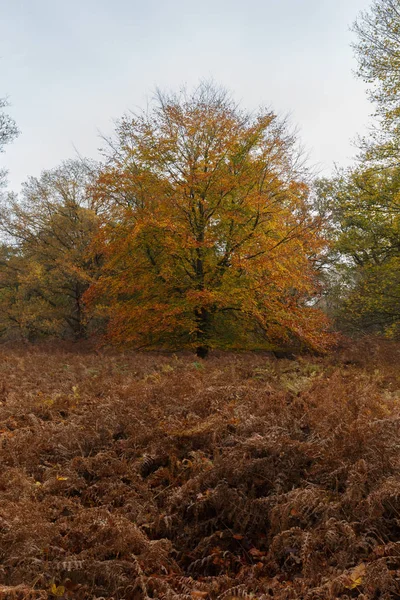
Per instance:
{"type": "Point", "coordinates": [209, 238]}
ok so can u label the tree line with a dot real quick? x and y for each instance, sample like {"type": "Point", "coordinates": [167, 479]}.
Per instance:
{"type": "Point", "coordinates": [202, 227]}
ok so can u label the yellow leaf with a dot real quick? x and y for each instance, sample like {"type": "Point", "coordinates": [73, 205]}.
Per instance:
{"type": "Point", "coordinates": [57, 590]}
{"type": "Point", "coordinates": [61, 478]}
{"type": "Point", "coordinates": [356, 576]}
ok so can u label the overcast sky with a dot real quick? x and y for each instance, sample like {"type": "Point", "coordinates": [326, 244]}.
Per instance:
{"type": "Point", "coordinates": [71, 67]}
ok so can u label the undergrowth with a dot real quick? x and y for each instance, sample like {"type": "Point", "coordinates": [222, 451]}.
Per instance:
{"type": "Point", "coordinates": [143, 476]}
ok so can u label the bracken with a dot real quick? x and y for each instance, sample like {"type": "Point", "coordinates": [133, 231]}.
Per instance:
{"type": "Point", "coordinates": [136, 476]}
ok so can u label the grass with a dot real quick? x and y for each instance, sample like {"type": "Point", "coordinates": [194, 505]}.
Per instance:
{"type": "Point", "coordinates": [135, 476]}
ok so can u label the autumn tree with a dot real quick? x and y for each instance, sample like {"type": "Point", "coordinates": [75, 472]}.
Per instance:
{"type": "Point", "coordinates": [45, 267]}
{"type": "Point", "coordinates": [209, 238]}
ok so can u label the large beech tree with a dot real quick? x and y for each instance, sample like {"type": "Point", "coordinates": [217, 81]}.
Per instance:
{"type": "Point", "coordinates": [208, 240]}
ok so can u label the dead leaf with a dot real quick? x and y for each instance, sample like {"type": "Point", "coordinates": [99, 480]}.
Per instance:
{"type": "Point", "coordinates": [356, 577]}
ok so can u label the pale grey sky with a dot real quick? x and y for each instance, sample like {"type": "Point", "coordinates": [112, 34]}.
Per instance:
{"type": "Point", "coordinates": [70, 67]}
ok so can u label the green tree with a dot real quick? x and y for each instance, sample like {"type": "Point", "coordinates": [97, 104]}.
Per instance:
{"type": "Point", "coordinates": [363, 203]}
{"type": "Point", "coordinates": [364, 207]}
{"type": "Point", "coordinates": [378, 53]}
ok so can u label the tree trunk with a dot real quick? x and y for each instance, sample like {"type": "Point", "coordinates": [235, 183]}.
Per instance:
{"type": "Point", "coordinates": [203, 318]}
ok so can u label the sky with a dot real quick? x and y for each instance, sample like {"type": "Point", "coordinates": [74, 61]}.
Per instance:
{"type": "Point", "coordinates": [71, 68]}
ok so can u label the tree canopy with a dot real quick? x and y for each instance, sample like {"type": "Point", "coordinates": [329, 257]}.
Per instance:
{"type": "Point", "coordinates": [364, 204]}
{"type": "Point", "coordinates": [209, 239]}
{"type": "Point", "coordinates": [378, 53]}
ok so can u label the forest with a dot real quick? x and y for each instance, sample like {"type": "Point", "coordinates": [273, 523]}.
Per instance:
{"type": "Point", "coordinates": [199, 356]}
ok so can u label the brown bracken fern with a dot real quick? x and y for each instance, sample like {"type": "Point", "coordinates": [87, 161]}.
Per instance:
{"type": "Point", "coordinates": [144, 476]}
